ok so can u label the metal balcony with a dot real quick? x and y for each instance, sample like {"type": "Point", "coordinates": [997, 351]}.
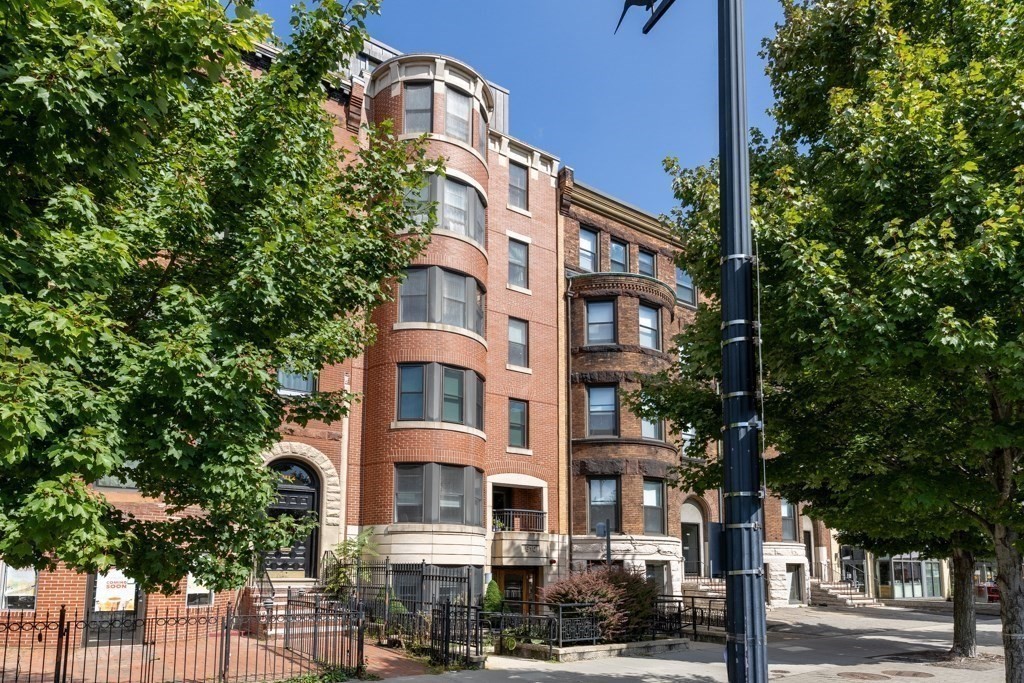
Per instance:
{"type": "Point", "coordinates": [519, 520]}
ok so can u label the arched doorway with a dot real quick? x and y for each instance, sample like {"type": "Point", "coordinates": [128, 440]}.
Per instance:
{"type": "Point", "coordinates": [692, 519]}
{"type": "Point", "coordinates": [298, 495]}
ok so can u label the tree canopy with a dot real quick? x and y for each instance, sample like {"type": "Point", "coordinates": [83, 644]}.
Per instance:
{"type": "Point", "coordinates": [174, 227]}
{"type": "Point", "coordinates": [887, 209]}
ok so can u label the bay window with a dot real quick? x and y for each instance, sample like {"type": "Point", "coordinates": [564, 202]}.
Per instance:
{"type": "Point", "coordinates": [432, 493]}
{"type": "Point", "coordinates": [436, 295]}
{"type": "Point", "coordinates": [431, 392]}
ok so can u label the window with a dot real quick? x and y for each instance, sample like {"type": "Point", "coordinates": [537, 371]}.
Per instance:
{"type": "Point", "coordinates": [120, 479]}
{"type": "Point", "coordinates": [652, 429]}
{"type": "Point", "coordinates": [295, 384]}
{"type": "Point", "coordinates": [409, 493]}
{"type": "Point", "coordinates": [518, 186]}
{"type": "Point", "coordinates": [517, 424]}
{"type": "Point", "coordinates": [436, 295]}
{"type": "Point", "coordinates": [650, 328]}
{"type": "Point", "coordinates": [453, 495]}
{"type": "Point", "coordinates": [419, 107]}
{"type": "Point", "coordinates": [462, 209]}
{"type": "Point", "coordinates": [196, 594]}
{"type": "Point", "coordinates": [518, 343]}
{"type": "Point", "coordinates": [412, 295]}
{"type": "Point", "coordinates": [17, 588]}
{"type": "Point", "coordinates": [418, 201]}
{"type": "Point", "coordinates": [454, 395]}
{"type": "Point", "coordinates": [410, 392]}
{"type": "Point", "coordinates": [457, 117]}
{"type": "Point", "coordinates": [619, 256]}
{"type": "Point", "coordinates": [481, 139]}
{"type": "Point", "coordinates": [685, 291]}
{"type": "Point", "coordinates": [600, 322]}
{"type": "Point", "coordinates": [518, 264]}
{"type": "Point", "coordinates": [439, 393]}
{"type": "Point", "coordinates": [788, 521]}
{"type": "Point", "coordinates": [647, 263]}
{"type": "Point", "coordinates": [589, 260]}
{"type": "Point", "coordinates": [604, 503]}
{"type": "Point", "coordinates": [602, 412]}
{"type": "Point", "coordinates": [434, 493]}
{"type": "Point", "coordinates": [453, 301]}
{"type": "Point", "coordinates": [654, 506]}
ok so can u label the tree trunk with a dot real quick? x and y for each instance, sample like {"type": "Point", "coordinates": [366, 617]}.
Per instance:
{"type": "Point", "coordinates": [965, 628]}
{"type": "Point", "coordinates": [1011, 600]}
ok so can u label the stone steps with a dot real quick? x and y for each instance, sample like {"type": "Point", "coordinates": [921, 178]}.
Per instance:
{"type": "Point", "coordinates": [835, 595]}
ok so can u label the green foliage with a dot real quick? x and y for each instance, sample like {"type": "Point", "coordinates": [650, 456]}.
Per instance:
{"type": "Point", "coordinates": [492, 597]}
{"type": "Point", "coordinates": [173, 228]}
{"type": "Point", "coordinates": [340, 577]}
{"type": "Point", "coordinates": [889, 216]}
{"type": "Point", "coordinates": [623, 601]}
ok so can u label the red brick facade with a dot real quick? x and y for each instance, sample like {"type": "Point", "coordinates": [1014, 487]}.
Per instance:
{"type": "Point", "coordinates": [356, 459]}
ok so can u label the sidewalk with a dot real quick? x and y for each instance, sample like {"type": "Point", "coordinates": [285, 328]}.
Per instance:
{"type": "Point", "coordinates": [808, 645]}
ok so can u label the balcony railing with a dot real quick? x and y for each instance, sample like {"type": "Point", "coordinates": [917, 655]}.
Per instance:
{"type": "Point", "coordinates": [520, 520]}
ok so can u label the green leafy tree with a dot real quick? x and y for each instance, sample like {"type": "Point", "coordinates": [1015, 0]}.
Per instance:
{"type": "Point", "coordinates": [888, 213]}
{"type": "Point", "coordinates": [173, 228]}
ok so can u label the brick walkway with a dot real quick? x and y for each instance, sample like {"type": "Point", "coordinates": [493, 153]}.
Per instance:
{"type": "Point", "coordinates": [388, 662]}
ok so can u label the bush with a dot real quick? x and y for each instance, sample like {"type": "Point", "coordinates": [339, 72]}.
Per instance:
{"type": "Point", "coordinates": [639, 602]}
{"type": "Point", "coordinates": [597, 587]}
{"type": "Point", "coordinates": [493, 597]}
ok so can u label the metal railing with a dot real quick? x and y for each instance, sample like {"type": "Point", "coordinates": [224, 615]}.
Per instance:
{"type": "Point", "coordinates": [519, 520]}
{"type": "Point", "coordinates": [403, 604]}
{"type": "Point", "coordinates": [699, 572]}
{"type": "Point", "coordinates": [194, 645]}
{"type": "Point", "coordinates": [543, 623]}
{"type": "Point", "coordinates": [689, 616]}
{"type": "Point", "coordinates": [846, 580]}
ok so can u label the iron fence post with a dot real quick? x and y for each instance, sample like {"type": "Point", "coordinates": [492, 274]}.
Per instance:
{"type": "Point", "coordinates": [226, 649]}
{"type": "Point", "coordinates": [58, 668]}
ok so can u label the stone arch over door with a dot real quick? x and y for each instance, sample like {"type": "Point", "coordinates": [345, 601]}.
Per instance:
{"type": "Point", "coordinates": [693, 519]}
{"type": "Point", "coordinates": [330, 513]}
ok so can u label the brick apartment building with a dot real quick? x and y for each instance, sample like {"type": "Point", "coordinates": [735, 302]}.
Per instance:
{"type": "Point", "coordinates": [492, 432]}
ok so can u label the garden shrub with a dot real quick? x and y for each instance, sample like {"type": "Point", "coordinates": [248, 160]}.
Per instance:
{"type": "Point", "coordinates": [594, 586]}
{"type": "Point", "coordinates": [493, 597]}
{"type": "Point", "coordinates": [639, 603]}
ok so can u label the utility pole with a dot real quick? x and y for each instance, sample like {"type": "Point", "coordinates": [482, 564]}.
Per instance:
{"type": "Point", "coordinates": [746, 631]}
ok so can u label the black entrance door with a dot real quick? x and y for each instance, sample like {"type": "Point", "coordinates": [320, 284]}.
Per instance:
{"type": "Point", "coordinates": [298, 494]}
{"type": "Point", "coordinates": [692, 565]}
{"type": "Point", "coordinates": [114, 610]}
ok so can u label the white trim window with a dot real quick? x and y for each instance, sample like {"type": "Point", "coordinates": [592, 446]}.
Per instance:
{"type": "Point", "coordinates": [196, 594]}
{"type": "Point", "coordinates": [589, 250]}
{"type": "Point", "coordinates": [518, 186]}
{"type": "Point", "coordinates": [419, 107]}
{"type": "Point", "coordinates": [17, 588]}
{"type": "Point", "coordinates": [295, 383]}
{"type": "Point", "coordinates": [650, 327]}
{"type": "Point", "coordinates": [457, 116]}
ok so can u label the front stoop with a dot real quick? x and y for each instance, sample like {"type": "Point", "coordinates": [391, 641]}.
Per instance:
{"type": "Point", "coordinates": [581, 653]}
{"type": "Point", "coordinates": [832, 595]}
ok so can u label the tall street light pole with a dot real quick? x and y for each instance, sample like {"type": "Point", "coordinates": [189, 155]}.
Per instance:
{"type": "Point", "coordinates": [746, 645]}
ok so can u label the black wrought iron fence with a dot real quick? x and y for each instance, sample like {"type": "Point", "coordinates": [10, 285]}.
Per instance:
{"type": "Point", "coordinates": [193, 645]}
{"type": "Point", "coordinates": [416, 606]}
{"type": "Point", "coordinates": [693, 616]}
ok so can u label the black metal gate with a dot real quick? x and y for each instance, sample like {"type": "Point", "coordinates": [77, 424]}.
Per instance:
{"type": "Point", "coordinates": [455, 635]}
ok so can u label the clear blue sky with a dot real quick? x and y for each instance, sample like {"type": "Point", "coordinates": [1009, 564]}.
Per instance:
{"type": "Point", "coordinates": [610, 106]}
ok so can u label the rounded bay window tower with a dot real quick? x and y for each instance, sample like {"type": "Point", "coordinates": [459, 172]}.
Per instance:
{"type": "Point", "coordinates": [425, 441]}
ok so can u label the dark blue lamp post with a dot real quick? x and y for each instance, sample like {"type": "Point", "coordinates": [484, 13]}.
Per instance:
{"type": "Point", "coordinates": [746, 647]}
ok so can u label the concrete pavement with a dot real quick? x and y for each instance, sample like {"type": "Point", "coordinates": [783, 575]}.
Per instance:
{"type": "Point", "coordinates": [805, 645]}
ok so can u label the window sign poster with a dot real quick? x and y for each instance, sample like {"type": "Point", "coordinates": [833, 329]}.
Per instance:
{"type": "Point", "coordinates": [115, 592]}
{"type": "Point", "coordinates": [19, 588]}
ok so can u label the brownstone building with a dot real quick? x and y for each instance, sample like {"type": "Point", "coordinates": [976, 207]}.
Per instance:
{"type": "Point", "coordinates": [493, 433]}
